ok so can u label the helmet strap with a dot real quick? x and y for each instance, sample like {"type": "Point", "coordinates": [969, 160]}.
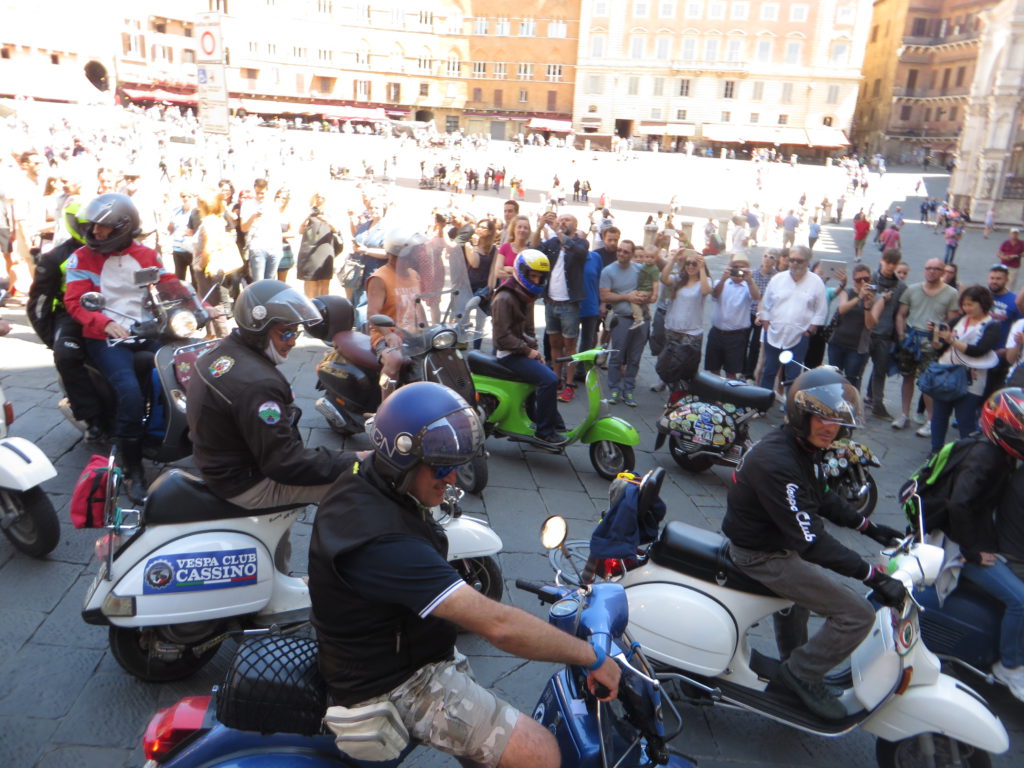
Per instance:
{"type": "Point", "coordinates": [271, 352]}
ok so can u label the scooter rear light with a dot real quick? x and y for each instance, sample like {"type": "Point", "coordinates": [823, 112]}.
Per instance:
{"type": "Point", "coordinates": [110, 542]}
{"type": "Point", "coordinates": [174, 726]}
{"type": "Point", "coordinates": [9, 412]}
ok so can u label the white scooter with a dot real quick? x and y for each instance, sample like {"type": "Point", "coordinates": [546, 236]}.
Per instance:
{"type": "Point", "coordinates": [27, 516]}
{"type": "Point", "coordinates": [691, 608]}
{"type": "Point", "coordinates": [179, 576]}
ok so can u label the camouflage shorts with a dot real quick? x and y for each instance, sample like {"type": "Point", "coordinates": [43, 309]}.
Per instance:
{"type": "Point", "coordinates": [911, 365]}
{"type": "Point", "coordinates": [445, 708]}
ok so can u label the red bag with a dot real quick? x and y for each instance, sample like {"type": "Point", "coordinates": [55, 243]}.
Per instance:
{"type": "Point", "coordinates": [90, 494]}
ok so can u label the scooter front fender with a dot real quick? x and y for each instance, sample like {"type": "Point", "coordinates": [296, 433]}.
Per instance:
{"type": "Point", "coordinates": [613, 429]}
{"type": "Point", "coordinates": [469, 537]}
{"type": "Point", "coordinates": [23, 465]}
{"type": "Point", "coordinates": [946, 707]}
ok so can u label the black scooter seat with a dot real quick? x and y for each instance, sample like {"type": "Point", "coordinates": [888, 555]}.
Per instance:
{"type": "Point", "coordinates": [355, 347]}
{"type": "Point", "coordinates": [178, 497]}
{"type": "Point", "coordinates": [709, 387]}
{"type": "Point", "coordinates": [487, 365]}
{"type": "Point", "coordinates": [703, 554]}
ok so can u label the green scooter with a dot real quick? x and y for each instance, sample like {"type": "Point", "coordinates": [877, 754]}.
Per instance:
{"type": "Point", "coordinates": [501, 396]}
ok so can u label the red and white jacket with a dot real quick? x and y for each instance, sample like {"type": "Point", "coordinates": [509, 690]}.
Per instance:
{"type": "Point", "coordinates": [113, 276]}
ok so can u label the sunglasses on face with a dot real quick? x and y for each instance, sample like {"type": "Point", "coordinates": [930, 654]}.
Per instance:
{"type": "Point", "coordinates": [861, 279]}
{"type": "Point", "coordinates": [440, 473]}
{"type": "Point", "coordinates": [797, 261]}
{"type": "Point", "coordinates": [290, 334]}
{"type": "Point", "coordinates": [692, 263]}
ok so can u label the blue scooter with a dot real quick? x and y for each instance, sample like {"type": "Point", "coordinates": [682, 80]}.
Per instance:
{"type": "Point", "coordinates": [268, 713]}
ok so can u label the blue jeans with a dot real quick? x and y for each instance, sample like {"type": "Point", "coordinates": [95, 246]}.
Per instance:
{"type": "Point", "coordinates": [771, 363]}
{"type": "Point", "coordinates": [545, 408]}
{"type": "Point", "coordinates": [1000, 582]}
{"type": "Point", "coordinates": [967, 409]}
{"type": "Point", "coordinates": [263, 264]}
{"type": "Point", "coordinates": [117, 364]}
{"type": "Point", "coordinates": [849, 361]}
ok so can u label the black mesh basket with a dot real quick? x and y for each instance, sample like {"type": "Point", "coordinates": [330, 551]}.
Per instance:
{"type": "Point", "coordinates": [274, 686]}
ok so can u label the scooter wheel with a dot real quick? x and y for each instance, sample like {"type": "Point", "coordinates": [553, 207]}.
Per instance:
{"type": "Point", "coordinates": [609, 459]}
{"type": "Point", "coordinates": [472, 477]}
{"type": "Point", "coordinates": [865, 505]}
{"type": "Point", "coordinates": [686, 461]}
{"type": "Point", "coordinates": [483, 574]}
{"type": "Point", "coordinates": [907, 753]}
{"type": "Point", "coordinates": [36, 529]}
{"type": "Point", "coordinates": [130, 647]}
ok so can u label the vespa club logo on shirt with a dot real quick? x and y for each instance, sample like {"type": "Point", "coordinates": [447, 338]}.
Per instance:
{"type": "Point", "coordinates": [196, 571]}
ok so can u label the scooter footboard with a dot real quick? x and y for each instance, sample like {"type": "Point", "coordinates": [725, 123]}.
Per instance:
{"type": "Point", "coordinates": [947, 707]}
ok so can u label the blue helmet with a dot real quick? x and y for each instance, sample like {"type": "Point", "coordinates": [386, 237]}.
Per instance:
{"type": "Point", "coordinates": [423, 423]}
{"type": "Point", "coordinates": [531, 260]}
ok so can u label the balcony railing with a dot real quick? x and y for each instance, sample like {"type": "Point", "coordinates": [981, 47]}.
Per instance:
{"type": "Point", "coordinates": [962, 37]}
{"type": "Point", "coordinates": [736, 67]}
{"type": "Point", "coordinates": [906, 92]}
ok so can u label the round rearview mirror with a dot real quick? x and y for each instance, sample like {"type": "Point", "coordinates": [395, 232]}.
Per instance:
{"type": "Point", "coordinates": [553, 532]}
{"type": "Point", "coordinates": [785, 358]}
{"type": "Point", "coordinates": [93, 301]}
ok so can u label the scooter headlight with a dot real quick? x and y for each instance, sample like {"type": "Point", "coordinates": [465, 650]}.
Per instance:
{"type": "Point", "coordinates": [182, 323]}
{"type": "Point", "coordinates": [444, 339]}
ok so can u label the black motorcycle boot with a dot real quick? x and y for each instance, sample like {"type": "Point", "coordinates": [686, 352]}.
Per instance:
{"type": "Point", "coordinates": [816, 696]}
{"type": "Point", "coordinates": [134, 472]}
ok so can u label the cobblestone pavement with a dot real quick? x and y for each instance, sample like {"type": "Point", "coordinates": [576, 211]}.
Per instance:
{"type": "Point", "coordinates": [65, 702]}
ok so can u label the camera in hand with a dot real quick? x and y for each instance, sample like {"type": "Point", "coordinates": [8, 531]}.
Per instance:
{"type": "Point", "coordinates": [872, 287]}
{"type": "Point", "coordinates": [736, 272]}
{"type": "Point", "coordinates": [315, 211]}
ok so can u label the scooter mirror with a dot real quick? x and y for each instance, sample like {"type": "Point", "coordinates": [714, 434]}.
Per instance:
{"type": "Point", "coordinates": [786, 357]}
{"type": "Point", "coordinates": [382, 321]}
{"type": "Point", "coordinates": [553, 532]}
{"type": "Point", "coordinates": [146, 276]}
{"type": "Point", "coordinates": [94, 301]}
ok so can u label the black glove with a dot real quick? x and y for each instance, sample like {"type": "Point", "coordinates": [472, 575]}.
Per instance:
{"type": "Point", "coordinates": [883, 534]}
{"type": "Point", "coordinates": [885, 589]}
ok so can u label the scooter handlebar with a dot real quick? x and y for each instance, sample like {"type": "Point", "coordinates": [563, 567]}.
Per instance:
{"type": "Point", "coordinates": [545, 592]}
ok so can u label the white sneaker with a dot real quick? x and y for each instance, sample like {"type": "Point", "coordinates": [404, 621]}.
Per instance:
{"type": "Point", "coordinates": [924, 431]}
{"type": "Point", "coordinates": [921, 418]}
{"type": "Point", "coordinates": [1011, 678]}
{"type": "Point", "coordinates": [900, 421]}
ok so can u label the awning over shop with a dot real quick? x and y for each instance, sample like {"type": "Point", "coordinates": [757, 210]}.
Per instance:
{"type": "Point", "coordinates": [727, 134]}
{"type": "Point", "coordinates": [545, 124]}
{"type": "Point", "coordinates": [159, 94]}
{"type": "Point", "coordinates": [652, 129]}
{"type": "Point", "coordinates": [680, 129]}
{"type": "Point", "coordinates": [362, 114]}
{"type": "Point", "coordinates": [261, 107]}
{"type": "Point", "coordinates": [773, 134]}
{"type": "Point", "coordinates": [827, 136]}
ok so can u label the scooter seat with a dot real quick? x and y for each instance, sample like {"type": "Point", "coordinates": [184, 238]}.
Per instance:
{"type": "Point", "coordinates": [355, 347]}
{"type": "Point", "coordinates": [487, 365]}
{"type": "Point", "coordinates": [710, 387]}
{"type": "Point", "coordinates": [703, 554]}
{"type": "Point", "coordinates": [178, 497]}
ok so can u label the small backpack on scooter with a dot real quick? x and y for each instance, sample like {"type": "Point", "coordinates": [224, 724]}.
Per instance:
{"type": "Point", "coordinates": [90, 494]}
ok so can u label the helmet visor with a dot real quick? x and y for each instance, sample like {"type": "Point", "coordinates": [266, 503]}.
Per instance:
{"type": "Point", "coordinates": [837, 402]}
{"type": "Point", "coordinates": [451, 440]}
{"type": "Point", "coordinates": [288, 306]}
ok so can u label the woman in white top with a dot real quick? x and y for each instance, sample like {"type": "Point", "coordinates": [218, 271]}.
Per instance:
{"type": "Point", "coordinates": [689, 282]}
{"type": "Point", "coordinates": [971, 342]}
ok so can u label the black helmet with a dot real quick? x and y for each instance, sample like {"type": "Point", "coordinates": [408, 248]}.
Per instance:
{"type": "Point", "coordinates": [115, 211]}
{"type": "Point", "coordinates": [337, 313]}
{"type": "Point", "coordinates": [266, 302]}
{"type": "Point", "coordinates": [823, 392]}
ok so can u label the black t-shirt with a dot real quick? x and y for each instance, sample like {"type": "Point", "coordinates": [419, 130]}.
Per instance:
{"type": "Point", "coordinates": [401, 570]}
{"type": "Point", "coordinates": [1010, 518]}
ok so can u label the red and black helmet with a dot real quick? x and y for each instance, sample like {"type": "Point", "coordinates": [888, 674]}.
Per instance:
{"type": "Point", "coordinates": [1002, 420]}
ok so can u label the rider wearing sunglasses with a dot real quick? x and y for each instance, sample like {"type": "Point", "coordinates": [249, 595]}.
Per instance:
{"type": "Point", "coordinates": [385, 601]}
{"type": "Point", "coordinates": [241, 413]}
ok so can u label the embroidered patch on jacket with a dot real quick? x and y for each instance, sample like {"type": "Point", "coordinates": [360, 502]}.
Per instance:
{"type": "Point", "coordinates": [270, 412]}
{"type": "Point", "coordinates": [221, 365]}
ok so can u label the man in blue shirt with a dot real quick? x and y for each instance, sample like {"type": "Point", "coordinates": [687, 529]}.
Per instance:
{"type": "Point", "coordinates": [1004, 311]}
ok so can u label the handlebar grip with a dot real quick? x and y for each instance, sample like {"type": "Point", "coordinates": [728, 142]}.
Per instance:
{"type": "Point", "coordinates": [601, 691]}
{"type": "Point", "coordinates": [537, 589]}
{"type": "Point", "coordinates": [568, 359]}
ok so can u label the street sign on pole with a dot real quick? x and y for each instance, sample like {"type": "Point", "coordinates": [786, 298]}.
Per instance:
{"type": "Point", "coordinates": [212, 75]}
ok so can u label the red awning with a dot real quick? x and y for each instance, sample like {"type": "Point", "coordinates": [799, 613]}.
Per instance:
{"type": "Point", "coordinates": [555, 126]}
{"type": "Point", "coordinates": [159, 94]}
{"type": "Point", "coordinates": [260, 107]}
{"type": "Point", "coordinates": [361, 114]}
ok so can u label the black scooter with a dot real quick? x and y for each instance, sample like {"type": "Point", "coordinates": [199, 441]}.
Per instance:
{"type": "Point", "coordinates": [351, 378]}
